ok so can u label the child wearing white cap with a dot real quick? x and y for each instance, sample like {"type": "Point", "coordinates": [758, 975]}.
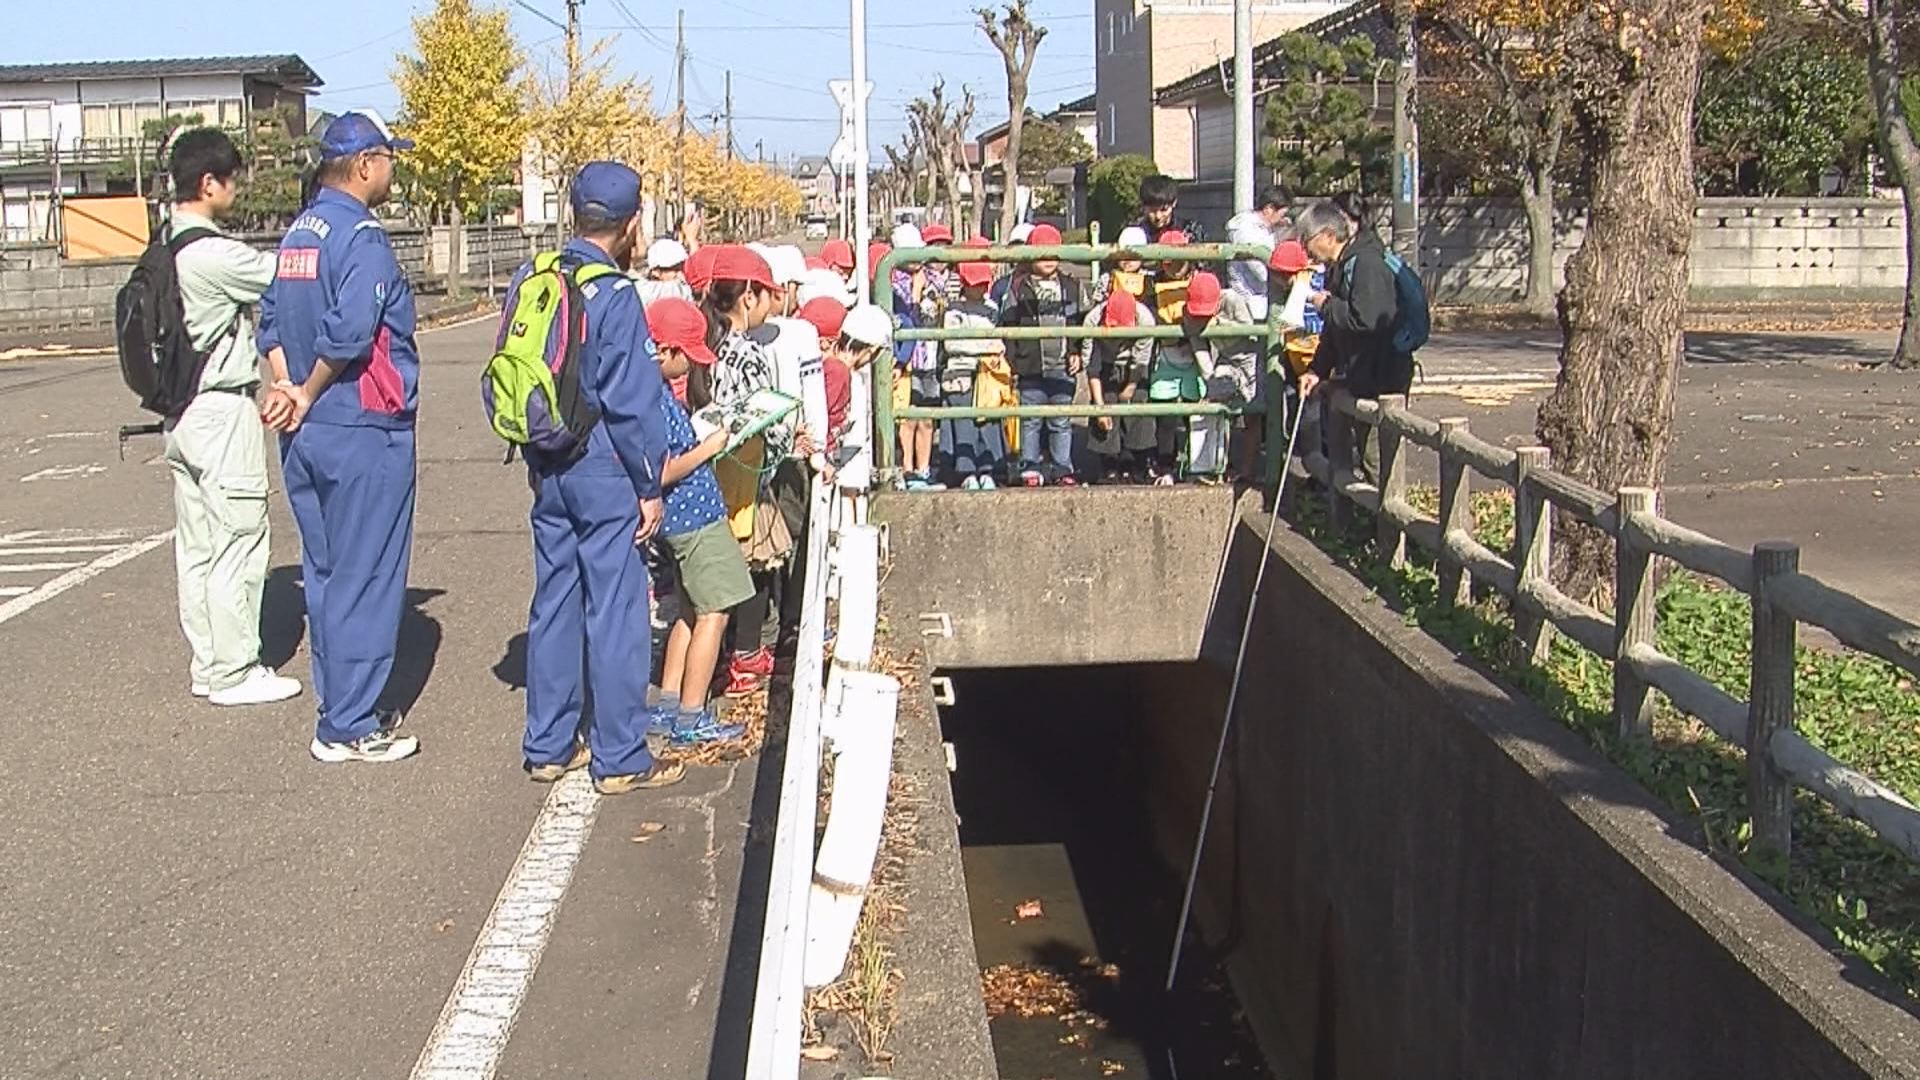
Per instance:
{"type": "Point", "coordinates": [666, 272]}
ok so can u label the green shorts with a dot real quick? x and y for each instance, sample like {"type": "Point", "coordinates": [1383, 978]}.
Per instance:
{"type": "Point", "coordinates": [712, 571]}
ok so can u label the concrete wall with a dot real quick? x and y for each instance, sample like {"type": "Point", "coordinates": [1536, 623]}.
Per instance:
{"type": "Point", "coordinates": [1474, 251]}
{"type": "Point", "coordinates": [1415, 874]}
{"type": "Point", "coordinates": [1054, 577]}
{"type": "Point", "coordinates": [39, 292]}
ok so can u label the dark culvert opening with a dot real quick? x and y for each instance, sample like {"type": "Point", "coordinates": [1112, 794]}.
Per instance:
{"type": "Point", "coordinates": [1073, 908]}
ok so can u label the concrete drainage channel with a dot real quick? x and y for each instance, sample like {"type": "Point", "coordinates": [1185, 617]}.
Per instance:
{"type": "Point", "coordinates": [1072, 911]}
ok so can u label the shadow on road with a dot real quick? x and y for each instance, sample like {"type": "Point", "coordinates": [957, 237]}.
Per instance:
{"type": "Point", "coordinates": [1758, 348]}
{"type": "Point", "coordinates": [511, 670]}
{"type": "Point", "coordinates": [283, 624]}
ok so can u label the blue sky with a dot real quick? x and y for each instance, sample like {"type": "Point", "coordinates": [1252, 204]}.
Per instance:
{"type": "Point", "coordinates": [781, 53]}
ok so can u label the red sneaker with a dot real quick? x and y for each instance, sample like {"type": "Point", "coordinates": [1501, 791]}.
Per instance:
{"type": "Point", "coordinates": [748, 672]}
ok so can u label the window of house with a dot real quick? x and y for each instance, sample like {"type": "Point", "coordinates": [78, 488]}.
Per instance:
{"type": "Point", "coordinates": [1109, 33]}
{"type": "Point", "coordinates": [1111, 132]}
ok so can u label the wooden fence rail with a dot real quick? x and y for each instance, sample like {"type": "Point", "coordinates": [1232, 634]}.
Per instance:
{"type": "Point", "coordinates": [1779, 758]}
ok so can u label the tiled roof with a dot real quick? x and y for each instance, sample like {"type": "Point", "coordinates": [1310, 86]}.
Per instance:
{"type": "Point", "coordinates": [1370, 19]}
{"type": "Point", "coordinates": [1078, 105]}
{"type": "Point", "coordinates": [287, 69]}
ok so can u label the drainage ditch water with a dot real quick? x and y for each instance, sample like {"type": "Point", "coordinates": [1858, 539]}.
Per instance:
{"type": "Point", "coordinates": [1073, 912]}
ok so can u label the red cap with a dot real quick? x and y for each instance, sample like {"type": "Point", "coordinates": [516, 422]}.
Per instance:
{"type": "Point", "coordinates": [738, 263]}
{"type": "Point", "coordinates": [875, 252]}
{"type": "Point", "coordinates": [1043, 235]}
{"type": "Point", "coordinates": [1289, 257]}
{"type": "Point", "coordinates": [1203, 295]}
{"type": "Point", "coordinates": [815, 262]}
{"type": "Point", "coordinates": [699, 268]}
{"type": "Point", "coordinates": [976, 273]}
{"type": "Point", "coordinates": [678, 324]}
{"type": "Point", "coordinates": [1174, 236]}
{"type": "Point", "coordinates": [837, 253]}
{"type": "Point", "coordinates": [826, 314]}
{"type": "Point", "coordinates": [936, 233]}
{"type": "Point", "coordinates": [978, 241]}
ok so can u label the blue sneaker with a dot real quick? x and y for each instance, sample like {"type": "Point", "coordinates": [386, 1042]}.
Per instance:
{"type": "Point", "coordinates": [692, 729]}
{"type": "Point", "coordinates": [660, 717]}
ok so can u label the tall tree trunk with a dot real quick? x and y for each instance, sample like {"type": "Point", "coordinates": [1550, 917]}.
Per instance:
{"type": "Point", "coordinates": [1536, 195]}
{"type": "Point", "coordinates": [1010, 165]}
{"type": "Point", "coordinates": [1609, 420]}
{"type": "Point", "coordinates": [977, 179]}
{"type": "Point", "coordinates": [1903, 157]}
{"type": "Point", "coordinates": [456, 246]}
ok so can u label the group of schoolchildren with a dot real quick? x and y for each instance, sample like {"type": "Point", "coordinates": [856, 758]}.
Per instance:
{"type": "Point", "coordinates": [985, 372]}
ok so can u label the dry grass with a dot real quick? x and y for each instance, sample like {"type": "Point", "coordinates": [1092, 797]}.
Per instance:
{"type": "Point", "coordinates": [866, 997]}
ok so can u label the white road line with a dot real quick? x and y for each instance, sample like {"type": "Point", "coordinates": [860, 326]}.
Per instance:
{"type": "Point", "coordinates": [20, 605]}
{"type": "Point", "coordinates": [15, 590]}
{"type": "Point", "coordinates": [63, 549]}
{"type": "Point", "coordinates": [32, 537]}
{"type": "Point", "coordinates": [471, 1034]}
{"type": "Point", "coordinates": [35, 567]}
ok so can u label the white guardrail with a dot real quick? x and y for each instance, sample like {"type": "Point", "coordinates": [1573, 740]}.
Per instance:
{"type": "Point", "coordinates": [814, 905]}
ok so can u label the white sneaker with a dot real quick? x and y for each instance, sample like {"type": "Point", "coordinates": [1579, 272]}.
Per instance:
{"type": "Point", "coordinates": [200, 689]}
{"type": "Point", "coordinates": [381, 745]}
{"type": "Point", "coordinates": [262, 686]}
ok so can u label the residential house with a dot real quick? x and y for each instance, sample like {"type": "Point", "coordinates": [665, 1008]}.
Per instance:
{"type": "Point", "coordinates": [1076, 116]}
{"type": "Point", "coordinates": [819, 186]}
{"type": "Point", "coordinates": [1206, 96]}
{"type": "Point", "coordinates": [1140, 45]}
{"type": "Point", "coordinates": [80, 123]}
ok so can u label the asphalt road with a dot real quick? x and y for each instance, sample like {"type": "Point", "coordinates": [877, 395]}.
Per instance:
{"type": "Point", "coordinates": [1779, 436]}
{"type": "Point", "coordinates": [184, 893]}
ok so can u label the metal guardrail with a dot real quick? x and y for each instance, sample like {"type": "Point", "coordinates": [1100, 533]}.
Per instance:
{"type": "Point", "coordinates": [1269, 332]}
{"type": "Point", "coordinates": [1779, 758]}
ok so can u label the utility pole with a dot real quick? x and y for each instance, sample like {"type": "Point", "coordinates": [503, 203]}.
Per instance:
{"type": "Point", "coordinates": [862, 228]}
{"type": "Point", "coordinates": [680, 117]}
{"type": "Point", "coordinates": [1242, 106]}
{"type": "Point", "coordinates": [1406, 139]}
{"type": "Point", "coordinates": [729, 115]}
{"type": "Point", "coordinates": [573, 80]}
{"type": "Point", "coordinates": [760, 151]}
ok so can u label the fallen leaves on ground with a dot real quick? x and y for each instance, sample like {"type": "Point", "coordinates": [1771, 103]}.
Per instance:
{"type": "Point", "coordinates": [647, 831]}
{"type": "Point", "coordinates": [443, 926]}
{"type": "Point", "coordinates": [1109, 1067]}
{"type": "Point", "coordinates": [1030, 909]}
{"type": "Point", "coordinates": [819, 1053]}
{"type": "Point", "coordinates": [1028, 990]}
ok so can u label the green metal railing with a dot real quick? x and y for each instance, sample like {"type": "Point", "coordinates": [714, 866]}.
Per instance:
{"type": "Point", "coordinates": [886, 415]}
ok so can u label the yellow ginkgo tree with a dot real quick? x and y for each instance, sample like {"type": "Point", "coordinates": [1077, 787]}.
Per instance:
{"type": "Point", "coordinates": [585, 111]}
{"type": "Point", "coordinates": [462, 105]}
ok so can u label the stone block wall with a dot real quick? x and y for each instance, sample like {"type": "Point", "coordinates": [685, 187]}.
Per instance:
{"type": "Point", "coordinates": [1474, 251]}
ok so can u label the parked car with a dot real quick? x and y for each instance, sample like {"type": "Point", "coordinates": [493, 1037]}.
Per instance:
{"type": "Point", "coordinates": [816, 228]}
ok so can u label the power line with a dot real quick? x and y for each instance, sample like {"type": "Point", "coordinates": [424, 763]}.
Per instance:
{"type": "Point", "coordinates": [551, 21]}
{"type": "Point", "coordinates": [840, 28]}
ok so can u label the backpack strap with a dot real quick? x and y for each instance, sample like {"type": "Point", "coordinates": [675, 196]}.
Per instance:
{"type": "Point", "coordinates": [185, 238]}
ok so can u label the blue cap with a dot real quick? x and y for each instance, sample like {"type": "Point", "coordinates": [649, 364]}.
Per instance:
{"type": "Point", "coordinates": [607, 189]}
{"type": "Point", "coordinates": [357, 132]}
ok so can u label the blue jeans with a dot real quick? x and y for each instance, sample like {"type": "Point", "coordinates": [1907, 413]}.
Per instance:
{"type": "Point", "coordinates": [1047, 390]}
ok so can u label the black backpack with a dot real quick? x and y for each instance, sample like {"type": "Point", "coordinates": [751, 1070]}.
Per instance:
{"type": "Point", "coordinates": [157, 357]}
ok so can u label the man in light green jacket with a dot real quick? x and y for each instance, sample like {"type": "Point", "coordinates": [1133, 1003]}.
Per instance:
{"type": "Point", "coordinates": [216, 447]}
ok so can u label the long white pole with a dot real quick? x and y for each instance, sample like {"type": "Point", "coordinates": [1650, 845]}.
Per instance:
{"type": "Point", "coordinates": [862, 229]}
{"type": "Point", "coordinates": [1242, 106]}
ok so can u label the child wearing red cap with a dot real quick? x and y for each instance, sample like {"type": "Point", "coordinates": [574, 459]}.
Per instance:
{"type": "Point", "coordinates": [975, 449]}
{"type": "Point", "coordinates": [1117, 371]}
{"type": "Point", "coordinates": [1040, 295]}
{"type": "Point", "coordinates": [710, 572]}
{"type": "Point", "coordinates": [741, 296]}
{"type": "Point", "coordinates": [1181, 369]}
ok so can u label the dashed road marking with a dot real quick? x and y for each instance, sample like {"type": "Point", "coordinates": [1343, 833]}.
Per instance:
{"type": "Point", "coordinates": [79, 574]}
{"type": "Point", "coordinates": [471, 1034]}
{"type": "Point", "coordinates": [15, 590]}
{"type": "Point", "coordinates": [35, 567]}
{"type": "Point", "coordinates": [64, 472]}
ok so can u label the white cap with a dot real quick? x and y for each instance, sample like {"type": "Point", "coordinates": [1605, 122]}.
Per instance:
{"type": "Point", "coordinates": [1132, 236]}
{"type": "Point", "coordinates": [789, 266]}
{"type": "Point", "coordinates": [907, 235]}
{"type": "Point", "coordinates": [828, 283]}
{"type": "Point", "coordinates": [869, 324]}
{"type": "Point", "coordinates": [666, 252]}
{"type": "Point", "coordinates": [1020, 233]}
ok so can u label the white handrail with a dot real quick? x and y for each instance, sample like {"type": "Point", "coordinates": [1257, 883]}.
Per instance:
{"type": "Point", "coordinates": [773, 1047]}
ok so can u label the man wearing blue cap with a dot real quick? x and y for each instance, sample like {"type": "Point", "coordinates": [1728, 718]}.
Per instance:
{"type": "Point", "coordinates": [589, 616]}
{"type": "Point", "coordinates": [340, 314]}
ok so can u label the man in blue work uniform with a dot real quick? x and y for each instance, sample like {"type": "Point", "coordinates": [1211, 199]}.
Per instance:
{"type": "Point", "coordinates": [590, 585]}
{"type": "Point", "coordinates": [338, 328]}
